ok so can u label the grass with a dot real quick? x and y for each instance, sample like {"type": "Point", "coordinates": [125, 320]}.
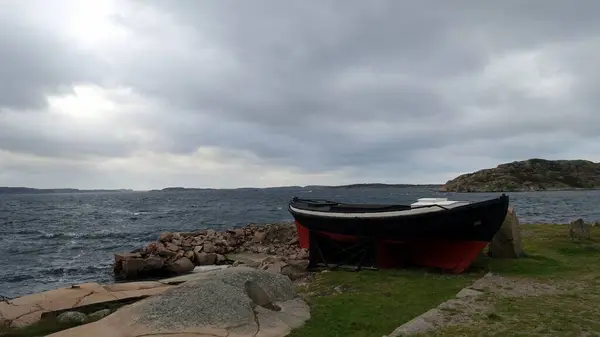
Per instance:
{"type": "Point", "coordinates": [374, 303]}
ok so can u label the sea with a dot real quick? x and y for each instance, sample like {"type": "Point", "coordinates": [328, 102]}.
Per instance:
{"type": "Point", "coordinates": [53, 240]}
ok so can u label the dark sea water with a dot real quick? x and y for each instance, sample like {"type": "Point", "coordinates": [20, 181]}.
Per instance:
{"type": "Point", "coordinates": [53, 240]}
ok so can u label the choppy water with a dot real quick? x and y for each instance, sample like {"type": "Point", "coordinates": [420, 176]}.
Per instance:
{"type": "Point", "coordinates": [53, 240]}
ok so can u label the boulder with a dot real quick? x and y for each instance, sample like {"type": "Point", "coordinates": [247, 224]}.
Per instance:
{"type": "Point", "coordinates": [131, 266]}
{"type": "Point", "coordinates": [295, 269]}
{"type": "Point", "coordinates": [171, 246]}
{"type": "Point", "coordinates": [204, 259]}
{"type": "Point", "coordinates": [72, 317]}
{"type": "Point", "coordinates": [181, 266]}
{"type": "Point", "coordinates": [231, 302]}
{"type": "Point", "coordinates": [580, 230]}
{"type": "Point", "coordinates": [165, 237]}
{"type": "Point", "coordinates": [507, 241]}
{"type": "Point", "coordinates": [96, 315]}
{"type": "Point", "coordinates": [209, 248]}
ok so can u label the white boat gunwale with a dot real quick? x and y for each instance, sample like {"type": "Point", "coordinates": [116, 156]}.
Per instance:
{"type": "Point", "coordinates": [383, 214]}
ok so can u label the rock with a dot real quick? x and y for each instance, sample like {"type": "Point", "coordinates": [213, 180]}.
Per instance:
{"type": "Point", "coordinates": [578, 229]}
{"type": "Point", "coordinates": [153, 247]}
{"type": "Point", "coordinates": [295, 269]}
{"type": "Point", "coordinates": [231, 302]}
{"type": "Point", "coordinates": [181, 266]}
{"type": "Point", "coordinates": [209, 248]}
{"type": "Point", "coordinates": [99, 314]}
{"type": "Point", "coordinates": [172, 247]}
{"type": "Point", "coordinates": [131, 267]}
{"type": "Point", "coordinates": [231, 241]}
{"type": "Point", "coordinates": [165, 237]}
{"type": "Point", "coordinates": [466, 292]}
{"type": "Point", "coordinates": [259, 237]}
{"type": "Point", "coordinates": [302, 254]}
{"type": "Point", "coordinates": [204, 259]}
{"type": "Point", "coordinates": [275, 239]}
{"type": "Point", "coordinates": [72, 317]}
{"type": "Point", "coordinates": [28, 309]}
{"type": "Point", "coordinates": [507, 241]}
{"type": "Point", "coordinates": [237, 232]}
{"type": "Point", "coordinates": [166, 253]}
{"type": "Point", "coordinates": [272, 264]}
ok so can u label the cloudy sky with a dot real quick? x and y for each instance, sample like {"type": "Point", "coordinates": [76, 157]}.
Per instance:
{"type": "Point", "coordinates": [220, 93]}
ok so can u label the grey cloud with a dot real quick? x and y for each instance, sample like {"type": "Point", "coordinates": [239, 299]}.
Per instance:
{"type": "Point", "coordinates": [35, 63]}
{"type": "Point", "coordinates": [306, 83]}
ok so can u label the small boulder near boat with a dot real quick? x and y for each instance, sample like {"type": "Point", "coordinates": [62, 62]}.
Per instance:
{"type": "Point", "coordinates": [433, 232]}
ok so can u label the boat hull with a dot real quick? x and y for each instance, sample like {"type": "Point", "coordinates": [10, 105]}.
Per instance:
{"type": "Point", "coordinates": [449, 239]}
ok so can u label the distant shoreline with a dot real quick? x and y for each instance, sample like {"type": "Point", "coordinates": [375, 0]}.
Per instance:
{"type": "Point", "coordinates": [28, 190]}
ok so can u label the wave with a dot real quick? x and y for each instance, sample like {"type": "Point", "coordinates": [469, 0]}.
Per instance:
{"type": "Point", "coordinates": [100, 235]}
{"type": "Point", "coordinates": [75, 270]}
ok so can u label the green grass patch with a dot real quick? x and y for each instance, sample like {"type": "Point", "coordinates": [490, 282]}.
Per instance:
{"type": "Point", "coordinates": [550, 254]}
{"type": "Point", "coordinates": [374, 303]}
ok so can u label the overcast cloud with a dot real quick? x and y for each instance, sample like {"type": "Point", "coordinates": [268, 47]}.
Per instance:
{"type": "Point", "coordinates": [218, 93]}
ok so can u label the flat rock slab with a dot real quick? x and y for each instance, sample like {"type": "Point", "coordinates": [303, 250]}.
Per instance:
{"type": "Point", "coordinates": [248, 258]}
{"type": "Point", "coordinates": [28, 309]}
{"type": "Point", "coordinates": [195, 274]}
{"type": "Point", "coordinates": [231, 302]}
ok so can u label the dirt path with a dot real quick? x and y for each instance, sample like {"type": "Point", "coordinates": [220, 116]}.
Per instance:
{"type": "Point", "coordinates": [475, 304]}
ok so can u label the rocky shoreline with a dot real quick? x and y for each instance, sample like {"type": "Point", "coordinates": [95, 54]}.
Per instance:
{"type": "Point", "coordinates": [179, 253]}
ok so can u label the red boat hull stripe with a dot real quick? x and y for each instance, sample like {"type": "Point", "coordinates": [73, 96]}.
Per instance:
{"type": "Point", "coordinates": [454, 256]}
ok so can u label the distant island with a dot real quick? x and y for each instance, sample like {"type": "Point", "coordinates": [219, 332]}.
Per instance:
{"type": "Point", "coordinates": [28, 190]}
{"type": "Point", "coordinates": [364, 185]}
{"type": "Point", "coordinates": [529, 175]}
{"type": "Point", "coordinates": [377, 185]}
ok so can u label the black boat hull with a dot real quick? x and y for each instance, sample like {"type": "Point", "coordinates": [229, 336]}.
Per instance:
{"type": "Point", "coordinates": [448, 239]}
{"type": "Point", "coordinates": [476, 221]}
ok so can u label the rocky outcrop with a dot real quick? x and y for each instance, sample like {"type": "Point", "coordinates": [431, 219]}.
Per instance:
{"type": "Point", "coordinates": [507, 243]}
{"type": "Point", "coordinates": [529, 175]}
{"type": "Point", "coordinates": [231, 302]}
{"type": "Point", "coordinates": [178, 253]}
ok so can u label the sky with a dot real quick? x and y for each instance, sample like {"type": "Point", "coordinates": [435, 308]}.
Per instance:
{"type": "Point", "coordinates": [147, 94]}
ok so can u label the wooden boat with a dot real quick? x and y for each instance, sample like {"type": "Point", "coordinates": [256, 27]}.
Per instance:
{"type": "Point", "coordinates": [434, 232]}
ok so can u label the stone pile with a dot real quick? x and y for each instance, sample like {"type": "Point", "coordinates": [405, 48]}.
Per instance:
{"type": "Point", "coordinates": [178, 253]}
